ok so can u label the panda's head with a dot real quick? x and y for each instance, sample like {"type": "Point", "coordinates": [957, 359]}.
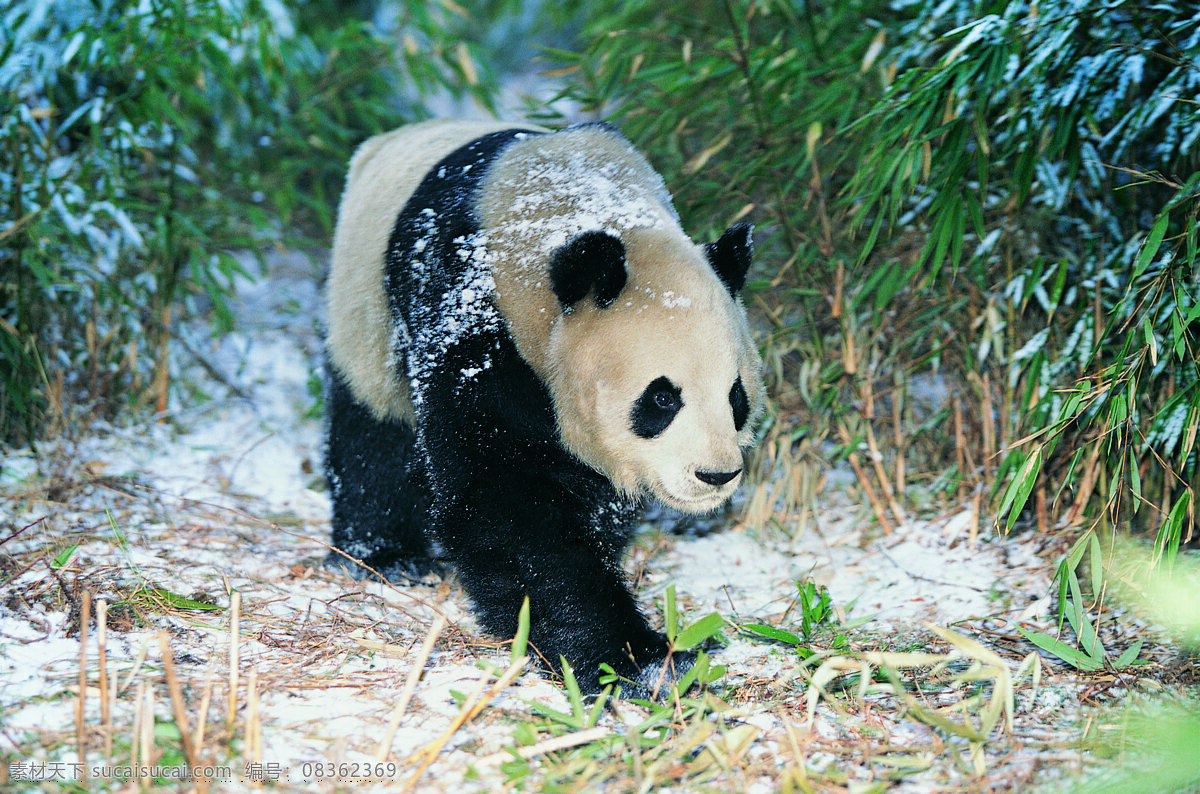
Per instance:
{"type": "Point", "coordinates": [654, 375]}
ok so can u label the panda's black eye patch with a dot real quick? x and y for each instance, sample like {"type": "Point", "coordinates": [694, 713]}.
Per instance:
{"type": "Point", "coordinates": [739, 403]}
{"type": "Point", "coordinates": [655, 408]}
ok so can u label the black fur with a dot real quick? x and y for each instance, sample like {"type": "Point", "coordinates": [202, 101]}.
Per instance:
{"type": "Point", "coordinates": [484, 473]}
{"type": "Point", "coordinates": [379, 490]}
{"type": "Point", "coordinates": [656, 408]}
{"type": "Point", "coordinates": [730, 256]}
{"type": "Point", "coordinates": [740, 404]}
{"type": "Point", "coordinates": [593, 261]}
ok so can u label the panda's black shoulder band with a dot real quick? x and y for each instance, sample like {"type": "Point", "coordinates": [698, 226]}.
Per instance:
{"type": "Point", "coordinates": [592, 262]}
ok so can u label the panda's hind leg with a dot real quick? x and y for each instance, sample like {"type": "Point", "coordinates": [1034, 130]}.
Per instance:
{"type": "Point", "coordinates": [379, 490]}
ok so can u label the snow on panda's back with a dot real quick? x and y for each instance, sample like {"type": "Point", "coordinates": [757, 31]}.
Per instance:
{"type": "Point", "coordinates": [384, 173]}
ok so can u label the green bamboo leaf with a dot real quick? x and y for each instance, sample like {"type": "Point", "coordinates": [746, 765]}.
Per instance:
{"type": "Point", "coordinates": [691, 636]}
{"type": "Point", "coordinates": [1129, 656]}
{"type": "Point", "coordinates": [936, 720]}
{"type": "Point", "coordinates": [159, 595]}
{"type": "Point", "coordinates": [1150, 249]}
{"type": "Point", "coordinates": [1019, 488]}
{"type": "Point", "coordinates": [772, 633]}
{"type": "Point", "coordinates": [1085, 631]}
{"type": "Point", "coordinates": [1061, 650]}
{"type": "Point", "coordinates": [63, 557]}
{"type": "Point", "coordinates": [1170, 533]}
{"type": "Point", "coordinates": [574, 696]}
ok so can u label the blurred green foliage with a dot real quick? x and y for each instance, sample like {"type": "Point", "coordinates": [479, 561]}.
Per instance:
{"type": "Point", "coordinates": [141, 146]}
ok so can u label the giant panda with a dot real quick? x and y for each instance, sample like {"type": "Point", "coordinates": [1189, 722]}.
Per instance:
{"type": "Point", "coordinates": [522, 347]}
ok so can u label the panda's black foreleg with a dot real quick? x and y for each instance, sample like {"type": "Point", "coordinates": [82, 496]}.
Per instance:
{"type": "Point", "coordinates": [548, 547]}
{"type": "Point", "coordinates": [379, 490]}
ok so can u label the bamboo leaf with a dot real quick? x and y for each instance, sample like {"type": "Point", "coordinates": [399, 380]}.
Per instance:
{"type": "Point", "coordinates": [1061, 650]}
{"type": "Point", "coordinates": [1150, 248]}
{"type": "Point", "coordinates": [1129, 656]}
{"type": "Point", "coordinates": [1019, 488]}
{"type": "Point", "coordinates": [772, 633]}
{"type": "Point", "coordinates": [63, 557]}
{"type": "Point", "coordinates": [708, 626]}
{"type": "Point", "coordinates": [165, 597]}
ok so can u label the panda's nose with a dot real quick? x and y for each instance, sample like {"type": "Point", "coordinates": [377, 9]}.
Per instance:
{"type": "Point", "coordinates": [717, 477]}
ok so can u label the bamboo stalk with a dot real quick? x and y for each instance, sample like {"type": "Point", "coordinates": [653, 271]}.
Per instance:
{"type": "Point", "coordinates": [162, 370]}
{"type": "Point", "coordinates": [976, 508]}
{"type": "Point", "coordinates": [410, 686]}
{"type": "Point", "coordinates": [1087, 484]}
{"type": "Point", "coordinates": [988, 421]}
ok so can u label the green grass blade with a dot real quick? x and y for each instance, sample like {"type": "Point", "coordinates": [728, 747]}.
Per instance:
{"type": "Point", "coordinates": [521, 638]}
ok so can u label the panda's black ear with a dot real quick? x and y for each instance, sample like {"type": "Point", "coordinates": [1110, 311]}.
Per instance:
{"type": "Point", "coordinates": [591, 262]}
{"type": "Point", "coordinates": [730, 256]}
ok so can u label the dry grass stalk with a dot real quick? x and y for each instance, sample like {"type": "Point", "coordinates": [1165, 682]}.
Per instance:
{"type": "Point", "coordinates": [876, 505]}
{"type": "Point", "coordinates": [387, 649]}
{"type": "Point", "coordinates": [144, 739]}
{"type": "Point", "coordinates": [253, 728]}
{"type": "Point", "coordinates": [898, 395]}
{"type": "Point", "coordinates": [136, 732]}
{"type": "Point", "coordinates": [960, 447]}
{"type": "Point", "coordinates": [202, 719]}
{"type": "Point", "coordinates": [798, 770]}
{"type": "Point", "coordinates": [235, 610]}
{"type": "Point", "coordinates": [884, 483]}
{"type": "Point", "coordinates": [410, 686]}
{"type": "Point", "coordinates": [470, 709]}
{"type": "Point", "coordinates": [85, 616]}
{"type": "Point", "coordinates": [551, 745]}
{"type": "Point", "coordinates": [177, 706]}
{"type": "Point", "coordinates": [976, 508]}
{"type": "Point", "coordinates": [105, 693]}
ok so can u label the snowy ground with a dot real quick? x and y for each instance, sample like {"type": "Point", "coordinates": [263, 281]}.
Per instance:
{"type": "Point", "coordinates": [227, 496]}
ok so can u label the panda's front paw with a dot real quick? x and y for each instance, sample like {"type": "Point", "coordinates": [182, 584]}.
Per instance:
{"type": "Point", "coordinates": [658, 676]}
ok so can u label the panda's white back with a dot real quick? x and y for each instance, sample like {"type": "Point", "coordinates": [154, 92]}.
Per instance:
{"type": "Point", "coordinates": [384, 173]}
